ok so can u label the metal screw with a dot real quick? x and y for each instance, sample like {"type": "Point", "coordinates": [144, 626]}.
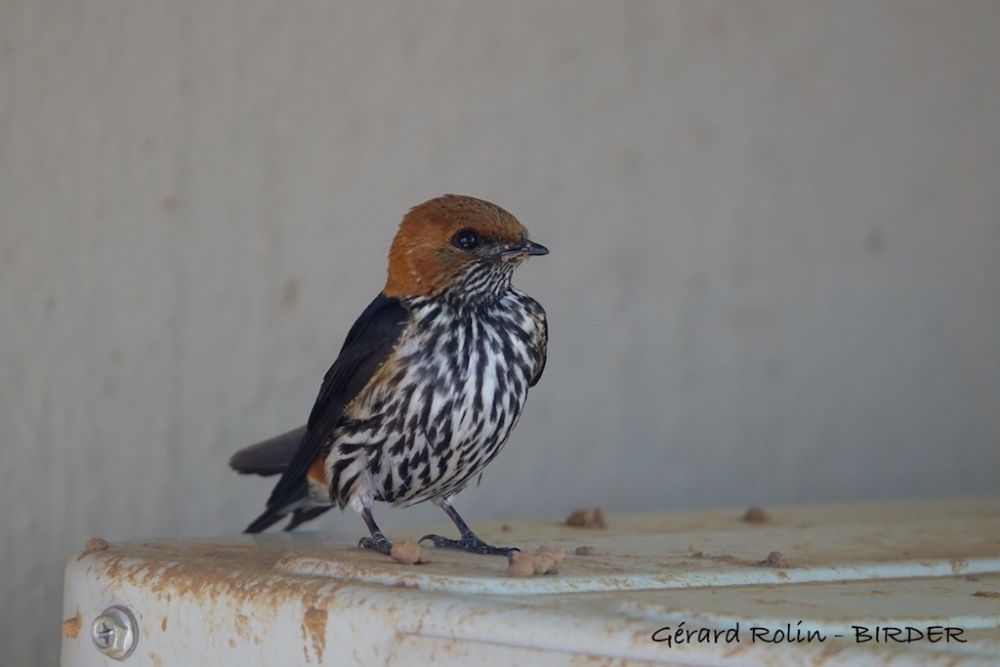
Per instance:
{"type": "Point", "coordinates": [115, 632]}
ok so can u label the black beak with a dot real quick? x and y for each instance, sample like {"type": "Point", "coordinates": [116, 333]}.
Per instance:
{"type": "Point", "coordinates": [536, 249]}
{"type": "Point", "coordinates": [523, 249]}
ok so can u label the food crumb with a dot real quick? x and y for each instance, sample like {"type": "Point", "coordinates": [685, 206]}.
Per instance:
{"type": "Point", "coordinates": [694, 551]}
{"type": "Point", "coordinates": [521, 567]}
{"type": "Point", "coordinates": [505, 528]}
{"type": "Point", "coordinates": [589, 517]}
{"type": "Point", "coordinates": [543, 560]}
{"type": "Point", "coordinates": [986, 594]}
{"type": "Point", "coordinates": [755, 514]}
{"type": "Point", "coordinates": [71, 626]}
{"type": "Point", "coordinates": [408, 552]}
{"type": "Point", "coordinates": [547, 559]}
{"type": "Point", "coordinates": [586, 551]}
{"type": "Point", "coordinates": [774, 559]}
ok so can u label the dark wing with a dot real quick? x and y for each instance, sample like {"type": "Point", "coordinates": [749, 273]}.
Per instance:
{"type": "Point", "coordinates": [369, 342]}
{"type": "Point", "coordinates": [541, 342]}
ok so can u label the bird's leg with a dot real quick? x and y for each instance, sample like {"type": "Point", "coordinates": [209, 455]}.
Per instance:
{"type": "Point", "coordinates": [378, 541]}
{"type": "Point", "coordinates": [469, 541]}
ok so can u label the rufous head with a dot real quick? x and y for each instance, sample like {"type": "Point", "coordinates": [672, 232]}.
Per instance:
{"type": "Point", "coordinates": [454, 239]}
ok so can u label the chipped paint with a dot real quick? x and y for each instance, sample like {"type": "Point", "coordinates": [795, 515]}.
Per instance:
{"type": "Point", "coordinates": [71, 626]}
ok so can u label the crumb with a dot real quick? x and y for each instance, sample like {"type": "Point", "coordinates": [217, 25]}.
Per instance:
{"type": "Point", "coordinates": [505, 528]}
{"type": "Point", "coordinates": [408, 552]}
{"type": "Point", "coordinates": [590, 517]}
{"type": "Point", "coordinates": [95, 544]}
{"type": "Point", "coordinates": [543, 560]}
{"type": "Point", "coordinates": [694, 551]}
{"type": "Point", "coordinates": [986, 594]}
{"type": "Point", "coordinates": [547, 559]}
{"type": "Point", "coordinates": [520, 567]}
{"type": "Point", "coordinates": [971, 577]}
{"type": "Point", "coordinates": [586, 551]}
{"type": "Point", "coordinates": [774, 559]}
{"type": "Point", "coordinates": [755, 514]}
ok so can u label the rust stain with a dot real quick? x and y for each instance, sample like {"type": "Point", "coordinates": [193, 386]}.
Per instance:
{"type": "Point", "coordinates": [986, 594]}
{"type": "Point", "coordinates": [829, 651]}
{"type": "Point", "coordinates": [155, 659]}
{"type": "Point", "coordinates": [71, 626]}
{"type": "Point", "coordinates": [206, 572]}
{"type": "Point", "coordinates": [314, 625]}
{"type": "Point", "coordinates": [241, 623]}
{"type": "Point", "coordinates": [163, 624]}
{"type": "Point", "coordinates": [736, 650]}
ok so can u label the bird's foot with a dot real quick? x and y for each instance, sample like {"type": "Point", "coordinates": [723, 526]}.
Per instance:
{"type": "Point", "coordinates": [377, 542]}
{"type": "Point", "coordinates": [470, 542]}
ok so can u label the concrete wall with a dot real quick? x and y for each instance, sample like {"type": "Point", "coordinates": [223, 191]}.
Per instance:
{"type": "Point", "coordinates": [775, 230]}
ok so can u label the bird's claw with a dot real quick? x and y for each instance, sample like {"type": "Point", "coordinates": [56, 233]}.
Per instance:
{"type": "Point", "coordinates": [378, 543]}
{"type": "Point", "coordinates": [470, 543]}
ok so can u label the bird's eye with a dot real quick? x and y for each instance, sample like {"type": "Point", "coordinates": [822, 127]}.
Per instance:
{"type": "Point", "coordinates": [466, 239]}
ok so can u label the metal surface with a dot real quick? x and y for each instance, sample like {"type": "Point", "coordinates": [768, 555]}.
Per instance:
{"type": "Point", "coordinates": [279, 599]}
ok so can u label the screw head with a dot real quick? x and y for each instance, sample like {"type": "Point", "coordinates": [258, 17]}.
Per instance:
{"type": "Point", "coordinates": [115, 632]}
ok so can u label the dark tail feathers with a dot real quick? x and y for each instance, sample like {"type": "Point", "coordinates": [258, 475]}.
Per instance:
{"type": "Point", "coordinates": [270, 457]}
{"type": "Point", "coordinates": [265, 521]}
{"type": "Point", "coordinates": [272, 516]}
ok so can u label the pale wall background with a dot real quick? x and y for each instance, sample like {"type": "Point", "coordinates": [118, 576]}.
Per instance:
{"type": "Point", "coordinates": [775, 231]}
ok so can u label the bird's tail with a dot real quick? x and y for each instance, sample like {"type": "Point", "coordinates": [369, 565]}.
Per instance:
{"type": "Point", "coordinates": [270, 457]}
{"type": "Point", "coordinates": [302, 513]}
{"type": "Point", "coordinates": [265, 520]}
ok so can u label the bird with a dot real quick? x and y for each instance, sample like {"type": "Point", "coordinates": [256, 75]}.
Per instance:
{"type": "Point", "coordinates": [428, 385]}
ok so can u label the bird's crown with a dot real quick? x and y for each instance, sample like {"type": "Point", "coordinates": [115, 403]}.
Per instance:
{"type": "Point", "coordinates": [440, 240]}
